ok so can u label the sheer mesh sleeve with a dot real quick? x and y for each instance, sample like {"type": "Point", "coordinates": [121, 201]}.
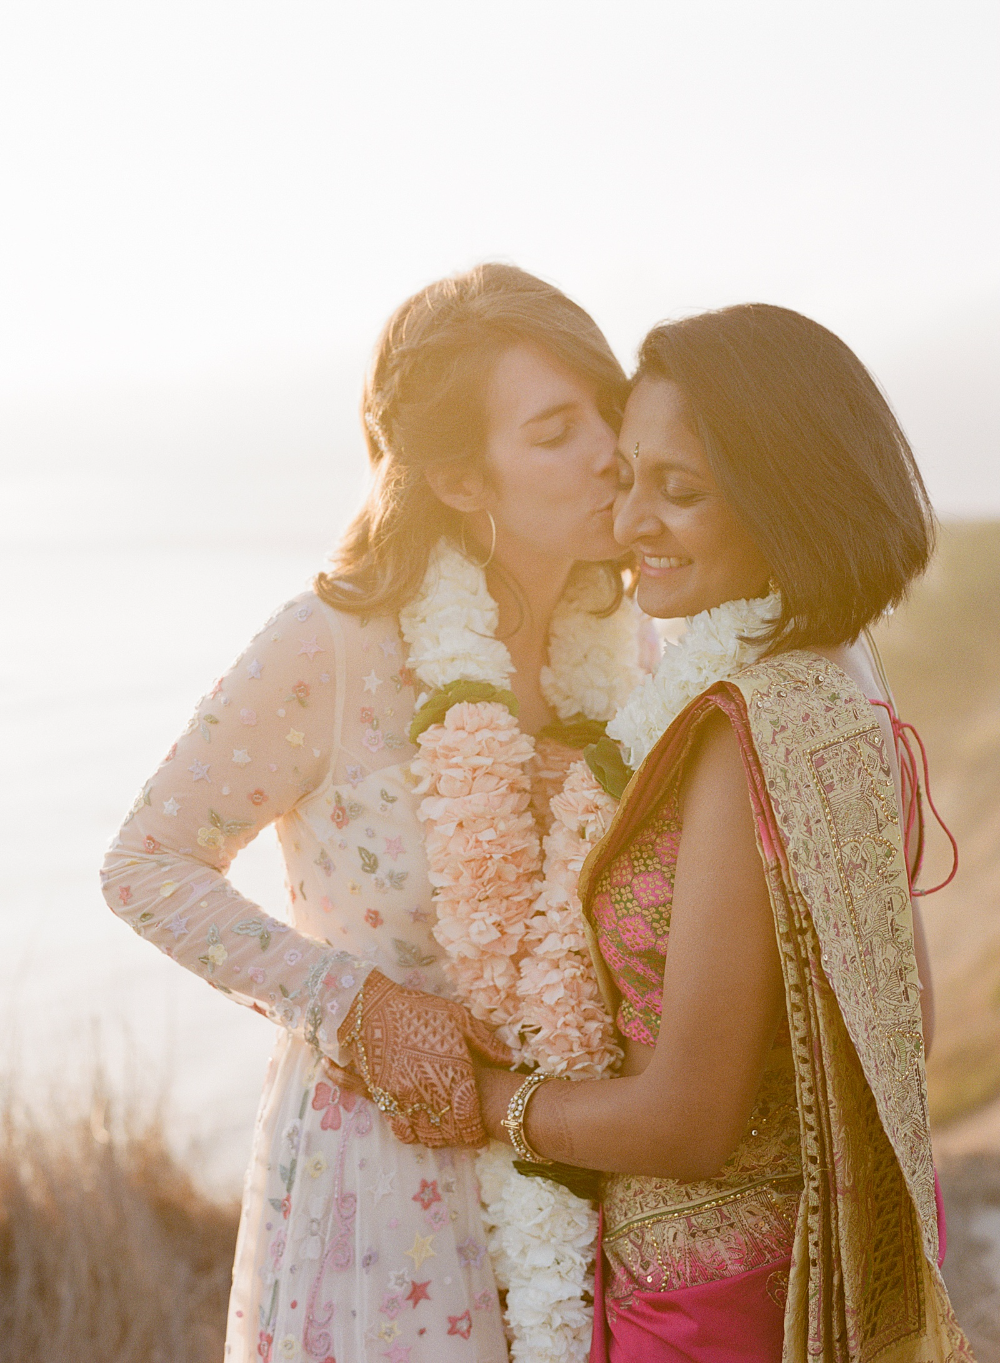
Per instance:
{"type": "Point", "coordinates": [258, 743]}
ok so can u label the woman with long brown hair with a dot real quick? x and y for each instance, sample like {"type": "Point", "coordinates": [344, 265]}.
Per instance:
{"type": "Point", "coordinates": [490, 416]}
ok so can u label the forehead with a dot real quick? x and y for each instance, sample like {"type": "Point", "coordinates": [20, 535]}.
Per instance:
{"type": "Point", "coordinates": [656, 418]}
{"type": "Point", "coordinates": [526, 381]}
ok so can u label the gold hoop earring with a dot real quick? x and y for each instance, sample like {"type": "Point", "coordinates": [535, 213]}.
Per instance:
{"type": "Point", "coordinates": [493, 543]}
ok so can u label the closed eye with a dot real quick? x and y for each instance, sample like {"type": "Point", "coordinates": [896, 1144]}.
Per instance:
{"type": "Point", "coordinates": [555, 441]}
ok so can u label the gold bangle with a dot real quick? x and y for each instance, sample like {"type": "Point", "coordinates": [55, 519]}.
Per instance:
{"type": "Point", "coordinates": [517, 1111]}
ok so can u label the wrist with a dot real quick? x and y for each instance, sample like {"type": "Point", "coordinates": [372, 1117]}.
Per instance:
{"type": "Point", "coordinates": [496, 1089]}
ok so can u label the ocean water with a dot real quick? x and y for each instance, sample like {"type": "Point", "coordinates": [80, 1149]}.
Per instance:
{"type": "Point", "coordinates": [124, 596]}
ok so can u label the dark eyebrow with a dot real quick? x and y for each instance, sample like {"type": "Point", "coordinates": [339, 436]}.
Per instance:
{"type": "Point", "coordinates": [549, 412]}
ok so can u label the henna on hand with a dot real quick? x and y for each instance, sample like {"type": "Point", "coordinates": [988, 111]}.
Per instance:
{"type": "Point", "coordinates": [414, 1053]}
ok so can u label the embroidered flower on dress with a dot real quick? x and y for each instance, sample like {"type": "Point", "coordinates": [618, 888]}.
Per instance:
{"type": "Point", "coordinates": [330, 1099]}
{"type": "Point", "coordinates": [315, 1165]}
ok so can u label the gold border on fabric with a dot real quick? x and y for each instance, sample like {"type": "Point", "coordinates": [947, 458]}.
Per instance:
{"type": "Point", "coordinates": [864, 1282]}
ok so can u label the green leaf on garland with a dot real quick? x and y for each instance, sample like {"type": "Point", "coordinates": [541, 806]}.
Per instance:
{"type": "Point", "coordinates": [438, 703]}
{"type": "Point", "coordinates": [606, 762]}
{"type": "Point", "coordinates": [578, 732]}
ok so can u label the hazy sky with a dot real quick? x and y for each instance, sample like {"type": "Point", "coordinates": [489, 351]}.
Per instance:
{"type": "Point", "coordinates": [199, 193]}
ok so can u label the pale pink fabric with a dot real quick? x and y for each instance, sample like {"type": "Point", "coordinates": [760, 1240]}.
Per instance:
{"type": "Point", "coordinates": [308, 731]}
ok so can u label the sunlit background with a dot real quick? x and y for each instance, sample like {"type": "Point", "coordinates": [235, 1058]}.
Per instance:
{"type": "Point", "coordinates": [208, 210]}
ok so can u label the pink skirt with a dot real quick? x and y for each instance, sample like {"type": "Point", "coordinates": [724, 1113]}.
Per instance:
{"type": "Point", "coordinates": [732, 1320]}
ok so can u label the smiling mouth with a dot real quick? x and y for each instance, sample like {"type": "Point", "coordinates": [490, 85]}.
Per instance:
{"type": "Point", "coordinates": [660, 565]}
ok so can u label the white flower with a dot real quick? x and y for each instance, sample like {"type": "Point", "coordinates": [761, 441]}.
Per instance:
{"type": "Point", "coordinates": [712, 649]}
{"type": "Point", "coordinates": [541, 1240]}
{"type": "Point", "coordinates": [593, 659]}
{"type": "Point", "coordinates": [450, 625]}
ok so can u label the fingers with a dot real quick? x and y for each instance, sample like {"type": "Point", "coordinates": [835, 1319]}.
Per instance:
{"type": "Point", "coordinates": [434, 1137]}
{"type": "Point", "coordinates": [345, 1079]}
{"type": "Point", "coordinates": [487, 1043]}
{"type": "Point", "coordinates": [467, 1115]}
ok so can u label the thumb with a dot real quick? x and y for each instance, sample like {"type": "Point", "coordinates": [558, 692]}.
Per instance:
{"type": "Point", "coordinates": [486, 1042]}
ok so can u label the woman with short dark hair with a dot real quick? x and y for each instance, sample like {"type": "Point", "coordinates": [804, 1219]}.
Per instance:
{"type": "Point", "coordinates": [769, 1190]}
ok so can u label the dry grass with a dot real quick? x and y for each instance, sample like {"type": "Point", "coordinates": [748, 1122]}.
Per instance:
{"type": "Point", "coordinates": [971, 1188]}
{"type": "Point", "coordinates": [942, 652]}
{"type": "Point", "coordinates": [108, 1252]}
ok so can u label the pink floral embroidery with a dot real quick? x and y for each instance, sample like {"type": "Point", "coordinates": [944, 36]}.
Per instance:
{"type": "Point", "coordinates": [329, 1099]}
{"type": "Point", "coordinates": [257, 797]}
{"type": "Point", "coordinates": [125, 894]}
{"type": "Point", "coordinates": [373, 918]}
{"type": "Point", "coordinates": [373, 739]}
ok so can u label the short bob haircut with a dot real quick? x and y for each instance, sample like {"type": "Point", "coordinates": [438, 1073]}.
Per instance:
{"type": "Point", "coordinates": [810, 457]}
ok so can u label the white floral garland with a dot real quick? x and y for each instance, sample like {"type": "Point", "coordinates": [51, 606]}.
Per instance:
{"type": "Point", "coordinates": [717, 644]}
{"type": "Point", "coordinates": [515, 943]}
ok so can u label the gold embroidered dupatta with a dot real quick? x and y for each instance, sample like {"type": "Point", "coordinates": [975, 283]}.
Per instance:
{"type": "Point", "coordinates": [864, 1280]}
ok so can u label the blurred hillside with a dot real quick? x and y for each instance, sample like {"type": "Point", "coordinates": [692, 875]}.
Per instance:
{"type": "Point", "coordinates": [942, 654]}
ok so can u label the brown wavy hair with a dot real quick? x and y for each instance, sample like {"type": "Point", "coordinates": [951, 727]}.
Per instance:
{"type": "Point", "coordinates": [425, 406]}
{"type": "Point", "coordinates": [808, 453]}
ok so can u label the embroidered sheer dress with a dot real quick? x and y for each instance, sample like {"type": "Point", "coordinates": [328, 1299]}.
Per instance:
{"type": "Point", "coordinates": [660, 1235]}
{"type": "Point", "coordinates": [352, 1246]}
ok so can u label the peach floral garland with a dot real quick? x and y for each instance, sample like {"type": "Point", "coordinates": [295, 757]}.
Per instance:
{"type": "Point", "coordinates": [515, 941]}
{"type": "Point", "coordinates": [485, 864]}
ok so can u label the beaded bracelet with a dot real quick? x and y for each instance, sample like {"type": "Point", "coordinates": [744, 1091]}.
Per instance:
{"type": "Point", "coordinates": [517, 1111]}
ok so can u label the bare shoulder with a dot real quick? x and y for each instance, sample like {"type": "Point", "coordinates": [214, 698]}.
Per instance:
{"type": "Point", "coordinates": [715, 764]}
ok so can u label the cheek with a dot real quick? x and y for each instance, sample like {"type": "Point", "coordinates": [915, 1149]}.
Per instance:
{"type": "Point", "coordinates": [738, 556]}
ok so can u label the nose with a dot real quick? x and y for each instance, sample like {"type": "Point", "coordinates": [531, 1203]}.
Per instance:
{"type": "Point", "coordinates": [633, 520]}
